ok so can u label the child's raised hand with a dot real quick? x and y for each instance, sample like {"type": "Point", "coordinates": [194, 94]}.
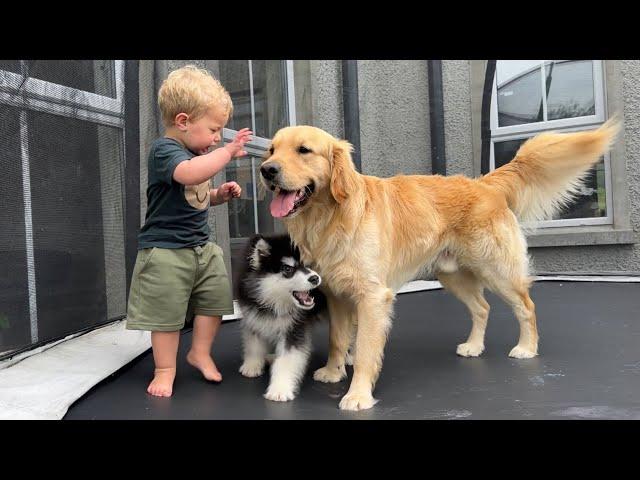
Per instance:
{"type": "Point", "coordinates": [236, 147]}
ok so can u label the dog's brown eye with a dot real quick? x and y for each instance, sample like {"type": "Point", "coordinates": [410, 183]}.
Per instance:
{"type": "Point", "coordinates": [271, 151]}
{"type": "Point", "coordinates": [303, 149]}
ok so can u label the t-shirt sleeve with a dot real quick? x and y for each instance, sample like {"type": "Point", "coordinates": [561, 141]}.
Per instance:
{"type": "Point", "coordinates": [166, 158]}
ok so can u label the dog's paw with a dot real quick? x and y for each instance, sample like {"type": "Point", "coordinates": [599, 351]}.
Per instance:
{"type": "Point", "coordinates": [522, 352]}
{"type": "Point", "coordinates": [470, 349]}
{"type": "Point", "coordinates": [357, 401]}
{"type": "Point", "coordinates": [348, 359]}
{"type": "Point", "coordinates": [278, 393]}
{"type": "Point", "coordinates": [329, 374]}
{"type": "Point", "coordinates": [251, 369]}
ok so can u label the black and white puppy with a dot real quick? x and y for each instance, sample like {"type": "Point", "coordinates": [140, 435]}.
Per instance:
{"type": "Point", "coordinates": [280, 301]}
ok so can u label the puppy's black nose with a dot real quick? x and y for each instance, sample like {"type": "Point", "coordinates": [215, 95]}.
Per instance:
{"type": "Point", "coordinates": [314, 279]}
{"type": "Point", "coordinates": [270, 170]}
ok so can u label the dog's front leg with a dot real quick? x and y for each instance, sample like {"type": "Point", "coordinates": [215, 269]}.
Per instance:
{"type": "Point", "coordinates": [255, 351]}
{"type": "Point", "coordinates": [288, 368]}
{"type": "Point", "coordinates": [374, 322]}
{"type": "Point", "coordinates": [340, 329]}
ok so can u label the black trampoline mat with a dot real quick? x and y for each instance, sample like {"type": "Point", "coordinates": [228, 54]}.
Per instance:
{"type": "Point", "coordinates": [588, 367]}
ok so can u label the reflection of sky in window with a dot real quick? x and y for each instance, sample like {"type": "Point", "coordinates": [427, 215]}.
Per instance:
{"type": "Point", "coordinates": [507, 69]}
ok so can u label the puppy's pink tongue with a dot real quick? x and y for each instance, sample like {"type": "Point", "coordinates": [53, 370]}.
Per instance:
{"type": "Point", "coordinates": [282, 204]}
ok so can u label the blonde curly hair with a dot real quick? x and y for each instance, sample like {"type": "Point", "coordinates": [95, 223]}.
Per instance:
{"type": "Point", "coordinates": [191, 90]}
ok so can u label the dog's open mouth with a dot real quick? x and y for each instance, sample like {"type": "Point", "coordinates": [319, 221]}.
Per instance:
{"type": "Point", "coordinates": [305, 300]}
{"type": "Point", "coordinates": [286, 202]}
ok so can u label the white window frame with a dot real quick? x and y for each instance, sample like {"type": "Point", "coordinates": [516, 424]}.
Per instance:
{"type": "Point", "coordinates": [43, 96]}
{"type": "Point", "coordinates": [258, 145]}
{"type": "Point", "coordinates": [527, 130]}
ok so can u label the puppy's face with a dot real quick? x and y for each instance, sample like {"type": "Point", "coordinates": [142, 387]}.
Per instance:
{"type": "Point", "coordinates": [298, 165]}
{"type": "Point", "coordinates": [284, 281]}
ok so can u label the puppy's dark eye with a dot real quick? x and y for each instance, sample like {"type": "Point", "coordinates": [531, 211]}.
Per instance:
{"type": "Point", "coordinates": [287, 270]}
{"type": "Point", "coordinates": [303, 149]}
{"type": "Point", "coordinates": [271, 151]}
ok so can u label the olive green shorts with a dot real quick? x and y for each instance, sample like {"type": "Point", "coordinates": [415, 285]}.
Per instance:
{"type": "Point", "coordinates": [168, 285]}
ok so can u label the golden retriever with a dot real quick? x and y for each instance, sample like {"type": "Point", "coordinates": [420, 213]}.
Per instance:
{"type": "Point", "coordinates": [368, 236]}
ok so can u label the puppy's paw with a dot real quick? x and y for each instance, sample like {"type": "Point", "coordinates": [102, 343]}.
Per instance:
{"type": "Point", "coordinates": [357, 401]}
{"type": "Point", "coordinates": [279, 393]}
{"type": "Point", "coordinates": [330, 374]}
{"type": "Point", "coordinates": [470, 349]}
{"type": "Point", "coordinates": [522, 352]}
{"type": "Point", "coordinates": [252, 369]}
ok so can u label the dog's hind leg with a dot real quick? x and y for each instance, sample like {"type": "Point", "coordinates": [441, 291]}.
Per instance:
{"type": "Point", "coordinates": [516, 293]}
{"type": "Point", "coordinates": [469, 290]}
{"type": "Point", "coordinates": [340, 333]}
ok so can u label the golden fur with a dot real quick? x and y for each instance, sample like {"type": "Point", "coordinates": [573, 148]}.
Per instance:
{"type": "Point", "coordinates": [367, 236]}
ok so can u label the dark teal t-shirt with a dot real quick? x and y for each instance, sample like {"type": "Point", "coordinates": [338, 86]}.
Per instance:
{"type": "Point", "coordinates": [176, 214]}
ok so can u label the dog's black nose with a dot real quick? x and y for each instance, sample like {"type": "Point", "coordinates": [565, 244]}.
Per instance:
{"type": "Point", "coordinates": [270, 170]}
{"type": "Point", "coordinates": [314, 279]}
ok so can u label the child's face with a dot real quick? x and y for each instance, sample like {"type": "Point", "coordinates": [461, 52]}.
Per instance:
{"type": "Point", "coordinates": [200, 134]}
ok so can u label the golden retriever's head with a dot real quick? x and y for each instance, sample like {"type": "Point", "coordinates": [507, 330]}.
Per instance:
{"type": "Point", "coordinates": [304, 162]}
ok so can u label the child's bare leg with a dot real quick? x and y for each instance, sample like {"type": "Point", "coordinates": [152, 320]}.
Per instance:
{"type": "Point", "coordinates": [165, 350]}
{"type": "Point", "coordinates": [204, 331]}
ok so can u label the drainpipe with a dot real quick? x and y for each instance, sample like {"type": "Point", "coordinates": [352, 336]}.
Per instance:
{"type": "Point", "coordinates": [351, 108]}
{"type": "Point", "coordinates": [436, 117]}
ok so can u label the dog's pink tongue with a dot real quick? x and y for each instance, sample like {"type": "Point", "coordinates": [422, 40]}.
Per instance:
{"type": "Point", "coordinates": [282, 204]}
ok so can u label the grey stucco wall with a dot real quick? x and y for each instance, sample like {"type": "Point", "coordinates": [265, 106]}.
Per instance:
{"type": "Point", "coordinates": [394, 117]}
{"type": "Point", "coordinates": [326, 96]}
{"type": "Point", "coordinates": [394, 112]}
{"type": "Point", "coordinates": [456, 90]}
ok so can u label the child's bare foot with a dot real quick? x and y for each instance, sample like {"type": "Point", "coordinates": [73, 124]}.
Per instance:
{"type": "Point", "coordinates": [205, 364]}
{"type": "Point", "coordinates": [162, 383]}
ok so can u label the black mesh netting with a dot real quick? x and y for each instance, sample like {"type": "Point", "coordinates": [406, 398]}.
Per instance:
{"type": "Point", "coordinates": [62, 194]}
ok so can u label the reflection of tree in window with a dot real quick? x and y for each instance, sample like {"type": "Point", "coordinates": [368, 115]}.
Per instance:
{"type": "Point", "coordinates": [570, 89]}
{"type": "Point", "coordinates": [520, 100]}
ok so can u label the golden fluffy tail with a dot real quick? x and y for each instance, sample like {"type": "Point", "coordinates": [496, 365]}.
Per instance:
{"type": "Point", "coordinates": [549, 169]}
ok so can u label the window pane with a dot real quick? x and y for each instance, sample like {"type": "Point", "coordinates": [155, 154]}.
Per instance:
{"type": "Point", "coordinates": [10, 65]}
{"type": "Point", "coordinates": [505, 151]}
{"type": "Point", "coordinates": [570, 89]}
{"type": "Point", "coordinates": [241, 217]}
{"type": "Point", "coordinates": [591, 203]}
{"type": "Point", "coordinates": [96, 76]}
{"type": "Point", "coordinates": [234, 76]}
{"type": "Point", "coordinates": [15, 330]}
{"type": "Point", "coordinates": [519, 92]}
{"type": "Point", "coordinates": [269, 90]}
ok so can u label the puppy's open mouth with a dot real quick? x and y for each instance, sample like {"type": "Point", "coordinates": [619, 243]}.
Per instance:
{"type": "Point", "coordinates": [286, 202]}
{"type": "Point", "coordinates": [304, 299]}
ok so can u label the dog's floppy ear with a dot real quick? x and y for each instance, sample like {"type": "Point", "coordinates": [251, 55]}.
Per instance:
{"type": "Point", "coordinates": [343, 172]}
{"type": "Point", "coordinates": [260, 248]}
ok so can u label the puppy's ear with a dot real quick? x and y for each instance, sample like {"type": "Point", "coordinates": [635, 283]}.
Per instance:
{"type": "Point", "coordinates": [343, 172]}
{"type": "Point", "coordinates": [260, 249]}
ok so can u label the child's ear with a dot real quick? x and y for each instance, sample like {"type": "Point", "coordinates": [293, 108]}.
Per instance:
{"type": "Point", "coordinates": [180, 120]}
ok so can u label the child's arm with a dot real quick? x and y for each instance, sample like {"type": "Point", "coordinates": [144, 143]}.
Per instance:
{"type": "Point", "coordinates": [203, 167]}
{"type": "Point", "coordinates": [224, 193]}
